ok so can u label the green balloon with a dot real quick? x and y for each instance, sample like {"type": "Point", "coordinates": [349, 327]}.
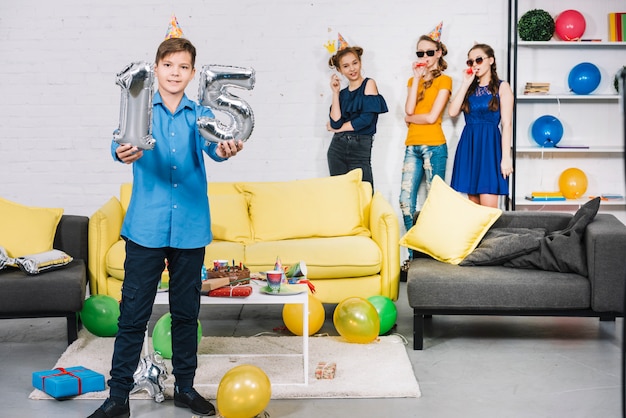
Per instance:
{"type": "Point", "coordinates": [387, 312]}
{"type": "Point", "coordinates": [100, 314]}
{"type": "Point", "coordinates": [162, 336]}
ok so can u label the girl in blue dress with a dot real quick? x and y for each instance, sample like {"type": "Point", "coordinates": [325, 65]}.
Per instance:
{"type": "Point", "coordinates": [353, 115]}
{"type": "Point", "coordinates": [482, 163]}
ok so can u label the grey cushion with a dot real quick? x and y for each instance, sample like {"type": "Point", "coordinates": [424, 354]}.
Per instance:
{"type": "Point", "coordinates": [59, 291]}
{"type": "Point", "coordinates": [435, 285]}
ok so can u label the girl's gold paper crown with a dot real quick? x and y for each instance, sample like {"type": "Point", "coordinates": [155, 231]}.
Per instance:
{"type": "Point", "coordinates": [334, 47]}
{"type": "Point", "coordinates": [174, 31]}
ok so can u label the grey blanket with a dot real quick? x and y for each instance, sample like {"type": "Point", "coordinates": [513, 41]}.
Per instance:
{"type": "Point", "coordinates": [561, 251]}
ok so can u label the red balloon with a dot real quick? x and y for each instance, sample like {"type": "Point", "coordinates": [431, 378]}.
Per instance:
{"type": "Point", "coordinates": [570, 25]}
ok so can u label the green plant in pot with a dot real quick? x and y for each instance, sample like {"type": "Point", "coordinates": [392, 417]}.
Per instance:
{"type": "Point", "coordinates": [536, 25]}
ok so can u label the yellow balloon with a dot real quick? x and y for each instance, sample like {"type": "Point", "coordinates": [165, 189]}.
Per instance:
{"type": "Point", "coordinates": [356, 320]}
{"type": "Point", "coordinates": [292, 316]}
{"type": "Point", "coordinates": [573, 183]}
{"type": "Point", "coordinates": [243, 392]}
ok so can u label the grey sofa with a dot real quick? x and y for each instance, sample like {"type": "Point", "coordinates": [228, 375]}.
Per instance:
{"type": "Point", "coordinates": [55, 293]}
{"type": "Point", "coordinates": [436, 288]}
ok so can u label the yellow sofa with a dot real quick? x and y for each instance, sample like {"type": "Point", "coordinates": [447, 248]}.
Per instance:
{"type": "Point", "coordinates": [347, 237]}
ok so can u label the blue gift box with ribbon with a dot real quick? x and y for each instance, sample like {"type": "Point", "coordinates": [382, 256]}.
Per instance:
{"type": "Point", "coordinates": [71, 381]}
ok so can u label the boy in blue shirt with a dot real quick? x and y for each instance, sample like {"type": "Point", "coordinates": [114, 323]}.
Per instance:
{"type": "Point", "coordinates": [168, 218]}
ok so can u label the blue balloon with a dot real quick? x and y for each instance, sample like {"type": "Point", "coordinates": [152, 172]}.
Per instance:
{"type": "Point", "coordinates": [547, 131]}
{"type": "Point", "coordinates": [584, 78]}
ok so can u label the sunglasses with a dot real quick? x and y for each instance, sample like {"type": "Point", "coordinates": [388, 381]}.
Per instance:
{"type": "Point", "coordinates": [430, 53]}
{"type": "Point", "coordinates": [479, 60]}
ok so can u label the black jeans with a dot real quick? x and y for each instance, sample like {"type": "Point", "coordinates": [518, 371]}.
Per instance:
{"type": "Point", "coordinates": [348, 151]}
{"type": "Point", "coordinates": [142, 272]}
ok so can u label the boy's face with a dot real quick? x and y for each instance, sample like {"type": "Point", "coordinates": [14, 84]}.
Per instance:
{"type": "Point", "coordinates": [174, 72]}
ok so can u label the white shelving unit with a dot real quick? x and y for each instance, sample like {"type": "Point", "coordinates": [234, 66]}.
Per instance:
{"type": "Point", "coordinates": [592, 138]}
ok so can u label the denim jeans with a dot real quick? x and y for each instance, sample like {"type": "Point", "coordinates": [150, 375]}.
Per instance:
{"type": "Point", "coordinates": [142, 272]}
{"type": "Point", "coordinates": [420, 161]}
{"type": "Point", "coordinates": [348, 151]}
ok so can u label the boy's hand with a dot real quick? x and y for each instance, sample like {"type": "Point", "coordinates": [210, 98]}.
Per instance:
{"type": "Point", "coordinates": [227, 149]}
{"type": "Point", "coordinates": [128, 153]}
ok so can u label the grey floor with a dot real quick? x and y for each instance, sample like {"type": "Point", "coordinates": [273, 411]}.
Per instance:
{"type": "Point", "coordinates": [470, 367]}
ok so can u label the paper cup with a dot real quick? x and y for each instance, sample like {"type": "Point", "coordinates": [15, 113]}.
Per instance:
{"type": "Point", "coordinates": [274, 279]}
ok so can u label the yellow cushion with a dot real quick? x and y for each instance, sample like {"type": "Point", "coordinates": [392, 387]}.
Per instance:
{"type": "Point", "coordinates": [320, 207]}
{"type": "Point", "coordinates": [449, 226]}
{"type": "Point", "coordinates": [226, 187]}
{"type": "Point", "coordinates": [229, 218]}
{"type": "Point", "coordinates": [27, 230]}
{"type": "Point", "coordinates": [326, 258]}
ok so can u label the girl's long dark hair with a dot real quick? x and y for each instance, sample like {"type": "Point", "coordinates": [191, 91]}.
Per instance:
{"type": "Point", "coordinates": [494, 84]}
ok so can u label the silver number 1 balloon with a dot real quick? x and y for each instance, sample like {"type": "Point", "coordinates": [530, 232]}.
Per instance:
{"type": "Point", "coordinates": [137, 83]}
{"type": "Point", "coordinates": [213, 93]}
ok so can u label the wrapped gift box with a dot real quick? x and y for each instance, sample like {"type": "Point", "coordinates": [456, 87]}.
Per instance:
{"type": "Point", "coordinates": [325, 370]}
{"type": "Point", "coordinates": [71, 381]}
{"type": "Point", "coordinates": [232, 291]}
{"type": "Point", "coordinates": [214, 283]}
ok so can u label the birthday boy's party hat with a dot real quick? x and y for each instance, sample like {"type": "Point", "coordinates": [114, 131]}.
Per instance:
{"type": "Point", "coordinates": [435, 34]}
{"type": "Point", "coordinates": [174, 31]}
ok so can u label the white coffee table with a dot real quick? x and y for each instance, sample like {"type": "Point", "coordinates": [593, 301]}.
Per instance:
{"type": "Point", "coordinates": [259, 298]}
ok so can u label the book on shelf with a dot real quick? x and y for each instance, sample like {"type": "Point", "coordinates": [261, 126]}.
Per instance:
{"type": "Point", "coordinates": [617, 26]}
{"type": "Point", "coordinates": [545, 196]}
{"type": "Point", "coordinates": [548, 194]}
{"type": "Point", "coordinates": [612, 196]}
{"type": "Point", "coordinates": [537, 88]}
{"type": "Point", "coordinates": [544, 199]}
{"type": "Point", "coordinates": [571, 146]}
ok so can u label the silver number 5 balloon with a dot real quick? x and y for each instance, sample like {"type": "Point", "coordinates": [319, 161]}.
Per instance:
{"type": "Point", "coordinates": [213, 93]}
{"type": "Point", "coordinates": [137, 83]}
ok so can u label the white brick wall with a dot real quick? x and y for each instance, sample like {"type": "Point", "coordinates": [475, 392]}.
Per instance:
{"type": "Point", "coordinates": [59, 102]}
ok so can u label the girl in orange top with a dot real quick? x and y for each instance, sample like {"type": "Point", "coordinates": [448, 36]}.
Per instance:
{"type": "Point", "coordinates": [426, 152]}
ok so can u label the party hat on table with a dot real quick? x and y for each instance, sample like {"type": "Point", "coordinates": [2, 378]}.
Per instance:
{"type": "Point", "coordinates": [435, 34]}
{"type": "Point", "coordinates": [173, 30]}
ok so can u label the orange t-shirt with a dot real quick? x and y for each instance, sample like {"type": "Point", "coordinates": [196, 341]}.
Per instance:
{"type": "Point", "coordinates": [428, 134]}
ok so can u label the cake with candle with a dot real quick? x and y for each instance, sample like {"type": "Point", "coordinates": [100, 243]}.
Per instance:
{"type": "Point", "coordinates": [236, 273]}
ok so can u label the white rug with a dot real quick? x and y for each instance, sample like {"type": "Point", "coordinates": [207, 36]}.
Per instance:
{"type": "Point", "coordinates": [380, 369]}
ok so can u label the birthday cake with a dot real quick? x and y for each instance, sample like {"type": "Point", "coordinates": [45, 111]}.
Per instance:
{"type": "Point", "coordinates": [234, 273]}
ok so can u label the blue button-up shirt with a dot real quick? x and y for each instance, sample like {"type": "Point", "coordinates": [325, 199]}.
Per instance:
{"type": "Point", "coordinates": [169, 206]}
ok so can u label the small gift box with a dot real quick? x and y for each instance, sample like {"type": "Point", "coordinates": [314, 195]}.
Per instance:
{"type": "Point", "coordinates": [215, 283]}
{"type": "Point", "coordinates": [71, 381]}
{"type": "Point", "coordinates": [232, 291]}
{"type": "Point", "coordinates": [325, 370]}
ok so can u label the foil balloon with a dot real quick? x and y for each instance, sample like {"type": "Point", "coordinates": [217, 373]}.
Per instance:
{"type": "Point", "coordinates": [150, 376]}
{"type": "Point", "coordinates": [213, 93]}
{"type": "Point", "coordinates": [137, 83]}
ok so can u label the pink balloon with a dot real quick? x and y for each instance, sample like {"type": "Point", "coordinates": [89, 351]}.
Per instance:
{"type": "Point", "coordinates": [570, 25]}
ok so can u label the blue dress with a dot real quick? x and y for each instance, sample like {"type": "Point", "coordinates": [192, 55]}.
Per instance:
{"type": "Point", "coordinates": [478, 155]}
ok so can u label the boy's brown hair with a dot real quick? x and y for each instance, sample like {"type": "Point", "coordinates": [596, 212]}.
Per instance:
{"type": "Point", "coordinates": [172, 45]}
{"type": "Point", "coordinates": [333, 62]}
